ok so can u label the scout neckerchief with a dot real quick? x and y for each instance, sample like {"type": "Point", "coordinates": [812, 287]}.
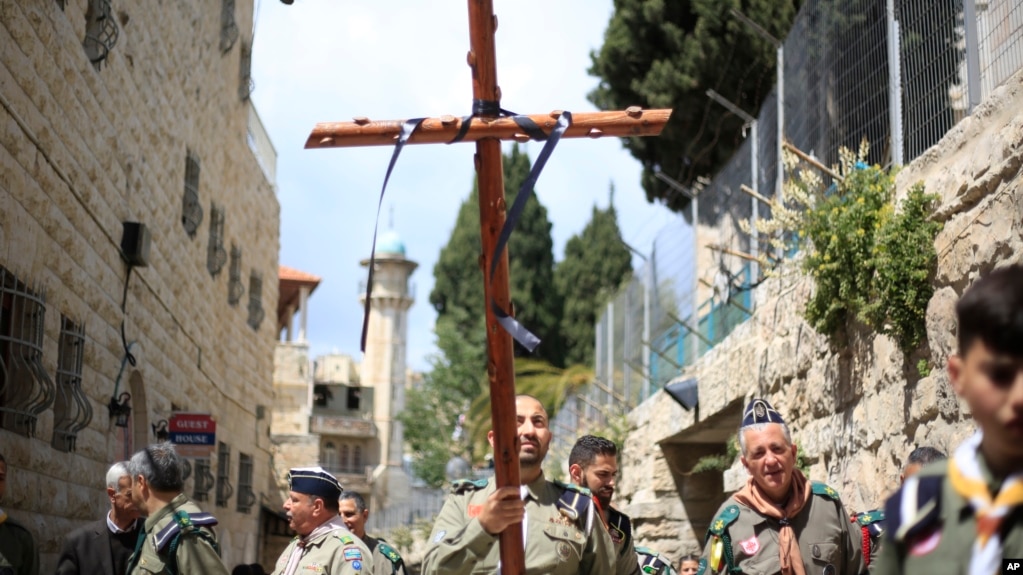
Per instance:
{"type": "Point", "coordinates": [751, 496]}
{"type": "Point", "coordinates": [966, 478]}
{"type": "Point", "coordinates": [3, 516]}
{"type": "Point", "coordinates": [322, 529]}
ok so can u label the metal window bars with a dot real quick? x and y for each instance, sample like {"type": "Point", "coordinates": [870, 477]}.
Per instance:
{"type": "Point", "coordinates": [204, 480]}
{"type": "Point", "coordinates": [224, 488]}
{"type": "Point", "coordinates": [246, 496]}
{"type": "Point", "coordinates": [228, 26]}
{"type": "Point", "coordinates": [72, 410]}
{"type": "Point", "coordinates": [245, 83]}
{"type": "Point", "coordinates": [101, 32]}
{"type": "Point", "coordinates": [191, 209]}
{"type": "Point", "coordinates": [216, 255]}
{"type": "Point", "coordinates": [235, 287]}
{"type": "Point", "coordinates": [26, 390]}
{"type": "Point", "coordinates": [256, 312]}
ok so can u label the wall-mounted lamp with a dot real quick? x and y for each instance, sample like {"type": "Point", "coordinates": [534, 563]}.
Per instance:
{"type": "Point", "coordinates": [120, 410]}
{"type": "Point", "coordinates": [685, 392]}
{"type": "Point", "coordinates": [160, 431]}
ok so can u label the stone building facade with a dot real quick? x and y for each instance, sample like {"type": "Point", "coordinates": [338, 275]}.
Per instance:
{"type": "Point", "coordinates": [855, 412]}
{"type": "Point", "coordinates": [133, 112]}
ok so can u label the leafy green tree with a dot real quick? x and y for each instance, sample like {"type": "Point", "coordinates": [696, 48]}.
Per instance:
{"type": "Point", "coordinates": [660, 54]}
{"type": "Point", "coordinates": [432, 410]}
{"type": "Point", "coordinates": [458, 281]}
{"type": "Point", "coordinates": [595, 265]}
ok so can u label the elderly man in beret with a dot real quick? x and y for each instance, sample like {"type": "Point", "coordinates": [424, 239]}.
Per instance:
{"type": "Point", "coordinates": [323, 543]}
{"type": "Point", "coordinates": [780, 522]}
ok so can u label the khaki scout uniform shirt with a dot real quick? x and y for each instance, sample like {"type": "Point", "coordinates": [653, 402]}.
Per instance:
{"type": "Point", "coordinates": [828, 542]}
{"type": "Point", "coordinates": [619, 528]}
{"type": "Point", "coordinates": [336, 552]}
{"type": "Point", "coordinates": [194, 553]}
{"type": "Point", "coordinates": [555, 544]}
{"type": "Point", "coordinates": [944, 542]}
{"type": "Point", "coordinates": [386, 560]}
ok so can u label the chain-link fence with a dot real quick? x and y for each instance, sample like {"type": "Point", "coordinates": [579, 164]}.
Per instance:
{"type": "Point", "coordinates": [899, 74]}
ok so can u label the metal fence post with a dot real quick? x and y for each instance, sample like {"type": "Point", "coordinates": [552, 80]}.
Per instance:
{"type": "Point", "coordinates": [972, 53]}
{"type": "Point", "coordinates": [894, 84]}
{"type": "Point", "coordinates": [646, 327]}
{"type": "Point", "coordinates": [754, 237]}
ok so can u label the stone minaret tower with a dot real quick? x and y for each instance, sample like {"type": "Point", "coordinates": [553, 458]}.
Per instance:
{"type": "Point", "coordinates": [383, 364]}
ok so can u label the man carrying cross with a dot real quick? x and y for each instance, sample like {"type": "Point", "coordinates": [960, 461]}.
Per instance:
{"type": "Point", "coordinates": [560, 528]}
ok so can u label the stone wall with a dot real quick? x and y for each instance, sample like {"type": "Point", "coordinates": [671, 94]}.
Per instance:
{"type": "Point", "coordinates": [83, 150]}
{"type": "Point", "coordinates": [857, 411]}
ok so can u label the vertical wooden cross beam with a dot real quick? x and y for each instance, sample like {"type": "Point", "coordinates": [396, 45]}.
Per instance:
{"type": "Point", "coordinates": [487, 131]}
{"type": "Point", "coordinates": [500, 349]}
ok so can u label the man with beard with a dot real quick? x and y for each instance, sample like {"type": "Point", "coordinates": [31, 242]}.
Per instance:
{"type": "Point", "coordinates": [386, 560]}
{"type": "Point", "coordinates": [593, 464]}
{"type": "Point", "coordinates": [323, 544]}
{"type": "Point", "coordinates": [780, 522]}
{"type": "Point", "coordinates": [557, 519]}
{"type": "Point", "coordinates": [103, 547]}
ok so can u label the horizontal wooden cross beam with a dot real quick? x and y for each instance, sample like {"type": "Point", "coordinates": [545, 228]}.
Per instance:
{"type": "Point", "coordinates": [634, 121]}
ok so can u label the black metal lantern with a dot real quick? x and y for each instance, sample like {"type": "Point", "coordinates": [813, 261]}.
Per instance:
{"type": "Point", "coordinates": [160, 431]}
{"type": "Point", "coordinates": [120, 411]}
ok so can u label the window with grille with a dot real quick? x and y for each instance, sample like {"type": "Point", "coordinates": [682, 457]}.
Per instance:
{"type": "Point", "coordinates": [255, 300]}
{"type": "Point", "coordinates": [224, 488]}
{"type": "Point", "coordinates": [100, 32]}
{"type": "Point", "coordinates": [354, 397]}
{"type": "Point", "coordinates": [246, 496]}
{"type": "Point", "coordinates": [228, 26]}
{"type": "Point", "coordinates": [356, 459]}
{"type": "Point", "coordinates": [191, 210]}
{"type": "Point", "coordinates": [329, 457]}
{"type": "Point", "coordinates": [26, 390]}
{"type": "Point", "coordinates": [343, 458]}
{"type": "Point", "coordinates": [72, 411]}
{"type": "Point", "coordinates": [203, 480]}
{"type": "Point", "coordinates": [235, 287]}
{"type": "Point", "coordinates": [216, 255]}
{"type": "Point", "coordinates": [245, 83]}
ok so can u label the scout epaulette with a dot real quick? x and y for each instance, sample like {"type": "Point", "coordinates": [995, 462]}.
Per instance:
{"type": "Point", "coordinates": [871, 521]}
{"type": "Point", "coordinates": [914, 508]}
{"type": "Point", "coordinates": [574, 501]}
{"type": "Point", "coordinates": [463, 485]}
{"type": "Point", "coordinates": [391, 555]}
{"type": "Point", "coordinates": [619, 526]}
{"type": "Point", "coordinates": [871, 524]}
{"type": "Point", "coordinates": [184, 523]}
{"type": "Point", "coordinates": [720, 541]}
{"type": "Point", "coordinates": [345, 538]}
{"type": "Point", "coordinates": [653, 563]}
{"type": "Point", "coordinates": [824, 490]}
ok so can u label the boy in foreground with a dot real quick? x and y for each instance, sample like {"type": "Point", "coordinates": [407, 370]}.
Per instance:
{"type": "Point", "coordinates": [965, 514]}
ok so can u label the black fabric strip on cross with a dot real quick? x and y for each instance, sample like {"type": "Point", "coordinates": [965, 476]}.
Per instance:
{"type": "Point", "coordinates": [406, 132]}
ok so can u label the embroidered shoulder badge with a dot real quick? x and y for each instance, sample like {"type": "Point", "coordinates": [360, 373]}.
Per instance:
{"type": "Point", "coordinates": [352, 554]}
{"type": "Point", "coordinates": [346, 539]}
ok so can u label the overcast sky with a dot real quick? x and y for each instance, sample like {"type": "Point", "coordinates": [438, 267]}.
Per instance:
{"type": "Point", "coordinates": [331, 60]}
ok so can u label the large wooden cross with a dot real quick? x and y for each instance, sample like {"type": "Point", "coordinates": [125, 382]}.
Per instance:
{"type": "Point", "coordinates": [488, 131]}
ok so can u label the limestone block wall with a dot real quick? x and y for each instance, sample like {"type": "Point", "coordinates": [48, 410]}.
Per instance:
{"type": "Point", "coordinates": [856, 411]}
{"type": "Point", "coordinates": [83, 150]}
